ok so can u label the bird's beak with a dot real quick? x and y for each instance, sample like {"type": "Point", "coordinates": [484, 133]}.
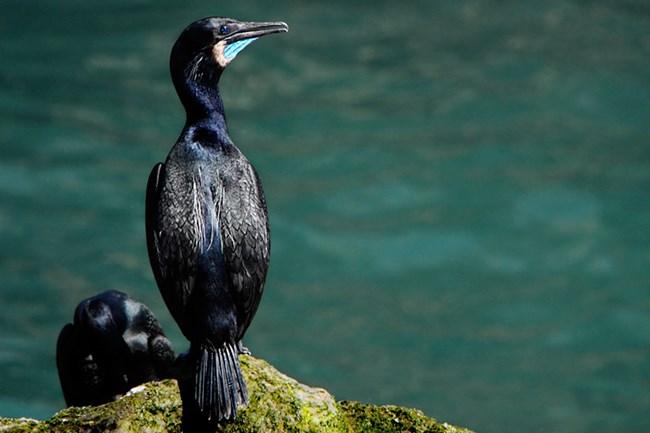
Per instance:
{"type": "Point", "coordinates": [228, 48]}
{"type": "Point", "coordinates": [250, 30]}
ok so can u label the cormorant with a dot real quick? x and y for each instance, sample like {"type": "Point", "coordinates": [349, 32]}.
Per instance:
{"type": "Point", "coordinates": [207, 224]}
{"type": "Point", "coordinates": [113, 344]}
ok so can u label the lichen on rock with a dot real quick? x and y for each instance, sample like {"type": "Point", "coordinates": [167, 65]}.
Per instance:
{"type": "Point", "coordinates": [277, 404]}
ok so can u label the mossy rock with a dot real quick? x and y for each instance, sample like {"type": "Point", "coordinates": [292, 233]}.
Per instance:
{"type": "Point", "coordinates": [278, 404]}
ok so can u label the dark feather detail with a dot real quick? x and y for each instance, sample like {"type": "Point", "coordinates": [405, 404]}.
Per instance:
{"type": "Point", "coordinates": [151, 203]}
{"type": "Point", "coordinates": [219, 384]}
{"type": "Point", "coordinates": [246, 244]}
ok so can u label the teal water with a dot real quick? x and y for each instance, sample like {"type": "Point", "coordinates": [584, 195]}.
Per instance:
{"type": "Point", "coordinates": [459, 196]}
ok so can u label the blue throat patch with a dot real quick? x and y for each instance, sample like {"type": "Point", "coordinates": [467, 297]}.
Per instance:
{"type": "Point", "coordinates": [231, 50]}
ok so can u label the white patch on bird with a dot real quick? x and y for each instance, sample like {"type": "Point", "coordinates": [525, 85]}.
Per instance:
{"type": "Point", "coordinates": [137, 341]}
{"type": "Point", "coordinates": [131, 308]}
{"type": "Point", "coordinates": [215, 215]}
{"type": "Point", "coordinates": [200, 235]}
{"type": "Point", "coordinates": [218, 54]}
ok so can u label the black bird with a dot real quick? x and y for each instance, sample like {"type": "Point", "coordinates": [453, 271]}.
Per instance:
{"type": "Point", "coordinates": [207, 224]}
{"type": "Point", "coordinates": [113, 344]}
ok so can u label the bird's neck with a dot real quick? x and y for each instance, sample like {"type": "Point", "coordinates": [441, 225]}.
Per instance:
{"type": "Point", "coordinates": [199, 93]}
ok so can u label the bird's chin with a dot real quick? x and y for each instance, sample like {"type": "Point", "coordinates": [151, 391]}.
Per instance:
{"type": "Point", "coordinates": [218, 54]}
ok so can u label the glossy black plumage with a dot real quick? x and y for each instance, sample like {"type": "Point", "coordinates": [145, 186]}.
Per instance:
{"type": "Point", "coordinates": [207, 224]}
{"type": "Point", "coordinates": [113, 344]}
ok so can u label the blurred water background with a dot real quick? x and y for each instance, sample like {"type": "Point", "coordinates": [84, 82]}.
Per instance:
{"type": "Point", "coordinates": [459, 196]}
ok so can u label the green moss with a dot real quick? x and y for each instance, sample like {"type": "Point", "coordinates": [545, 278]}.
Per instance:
{"type": "Point", "coordinates": [19, 425]}
{"type": "Point", "coordinates": [392, 419]}
{"type": "Point", "coordinates": [278, 404]}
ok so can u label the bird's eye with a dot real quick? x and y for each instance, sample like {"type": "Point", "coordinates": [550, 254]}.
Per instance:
{"type": "Point", "coordinates": [224, 29]}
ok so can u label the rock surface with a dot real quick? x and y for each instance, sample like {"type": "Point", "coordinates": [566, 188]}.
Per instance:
{"type": "Point", "coordinates": [277, 404]}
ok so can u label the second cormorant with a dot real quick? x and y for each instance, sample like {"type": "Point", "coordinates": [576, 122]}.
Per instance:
{"type": "Point", "coordinates": [207, 226]}
{"type": "Point", "coordinates": [113, 344]}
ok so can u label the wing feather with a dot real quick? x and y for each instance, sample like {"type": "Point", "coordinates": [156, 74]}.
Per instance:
{"type": "Point", "coordinates": [173, 275]}
{"type": "Point", "coordinates": [245, 238]}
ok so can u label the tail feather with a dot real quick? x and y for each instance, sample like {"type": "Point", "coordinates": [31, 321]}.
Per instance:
{"type": "Point", "coordinates": [224, 389]}
{"type": "Point", "coordinates": [237, 379]}
{"type": "Point", "coordinates": [219, 384]}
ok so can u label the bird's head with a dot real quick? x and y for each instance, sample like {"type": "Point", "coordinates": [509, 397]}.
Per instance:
{"type": "Point", "coordinates": [216, 41]}
{"type": "Point", "coordinates": [202, 52]}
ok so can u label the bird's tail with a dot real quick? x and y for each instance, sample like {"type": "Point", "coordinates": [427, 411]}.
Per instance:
{"type": "Point", "coordinates": [219, 386]}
